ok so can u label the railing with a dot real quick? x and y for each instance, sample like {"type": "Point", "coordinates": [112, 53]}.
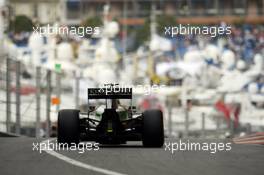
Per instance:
{"type": "Point", "coordinates": [30, 97]}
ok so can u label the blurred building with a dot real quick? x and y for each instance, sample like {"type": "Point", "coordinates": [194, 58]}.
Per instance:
{"type": "Point", "coordinates": [186, 11]}
{"type": "Point", "coordinates": [44, 11]}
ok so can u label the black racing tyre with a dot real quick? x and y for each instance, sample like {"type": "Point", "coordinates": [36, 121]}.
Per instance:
{"type": "Point", "coordinates": [68, 126]}
{"type": "Point", "coordinates": [152, 129]}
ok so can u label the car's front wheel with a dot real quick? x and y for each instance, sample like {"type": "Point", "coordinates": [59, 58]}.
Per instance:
{"type": "Point", "coordinates": [68, 126]}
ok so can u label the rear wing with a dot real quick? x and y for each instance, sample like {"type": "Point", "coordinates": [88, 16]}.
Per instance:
{"type": "Point", "coordinates": [110, 93]}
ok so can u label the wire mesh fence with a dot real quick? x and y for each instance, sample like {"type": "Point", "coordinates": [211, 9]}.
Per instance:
{"type": "Point", "coordinates": [31, 96]}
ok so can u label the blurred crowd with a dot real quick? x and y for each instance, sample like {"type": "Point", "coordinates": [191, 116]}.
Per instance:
{"type": "Point", "coordinates": [245, 41]}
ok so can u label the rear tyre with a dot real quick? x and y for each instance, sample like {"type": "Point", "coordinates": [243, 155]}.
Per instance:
{"type": "Point", "coordinates": [153, 129]}
{"type": "Point", "coordinates": [68, 126]}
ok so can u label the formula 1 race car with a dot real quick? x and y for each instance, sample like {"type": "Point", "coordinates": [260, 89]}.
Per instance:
{"type": "Point", "coordinates": [115, 125]}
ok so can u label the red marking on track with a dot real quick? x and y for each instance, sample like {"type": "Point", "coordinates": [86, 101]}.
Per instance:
{"type": "Point", "coordinates": [260, 142]}
{"type": "Point", "coordinates": [257, 138]}
{"type": "Point", "coordinates": [250, 138]}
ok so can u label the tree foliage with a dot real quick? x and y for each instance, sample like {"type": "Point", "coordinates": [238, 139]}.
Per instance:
{"type": "Point", "coordinates": [92, 22]}
{"type": "Point", "coordinates": [143, 32]}
{"type": "Point", "coordinates": [21, 23]}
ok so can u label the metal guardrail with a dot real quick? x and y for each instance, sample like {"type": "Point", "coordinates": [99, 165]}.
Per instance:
{"type": "Point", "coordinates": [26, 94]}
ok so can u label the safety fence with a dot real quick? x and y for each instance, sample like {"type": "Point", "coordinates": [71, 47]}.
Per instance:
{"type": "Point", "coordinates": [31, 96]}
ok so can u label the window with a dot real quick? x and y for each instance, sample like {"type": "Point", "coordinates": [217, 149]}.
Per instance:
{"type": "Point", "coordinates": [239, 7]}
{"type": "Point", "coordinates": [73, 9]}
{"type": "Point", "coordinates": [212, 7]}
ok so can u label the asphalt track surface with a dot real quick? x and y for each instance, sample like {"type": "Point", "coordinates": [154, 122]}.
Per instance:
{"type": "Point", "coordinates": [17, 157]}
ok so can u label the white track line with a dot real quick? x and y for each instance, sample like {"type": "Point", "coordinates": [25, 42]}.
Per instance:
{"type": "Point", "coordinates": [78, 163]}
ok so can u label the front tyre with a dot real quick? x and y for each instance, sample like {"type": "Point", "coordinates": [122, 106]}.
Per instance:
{"type": "Point", "coordinates": [153, 129]}
{"type": "Point", "coordinates": [68, 126]}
